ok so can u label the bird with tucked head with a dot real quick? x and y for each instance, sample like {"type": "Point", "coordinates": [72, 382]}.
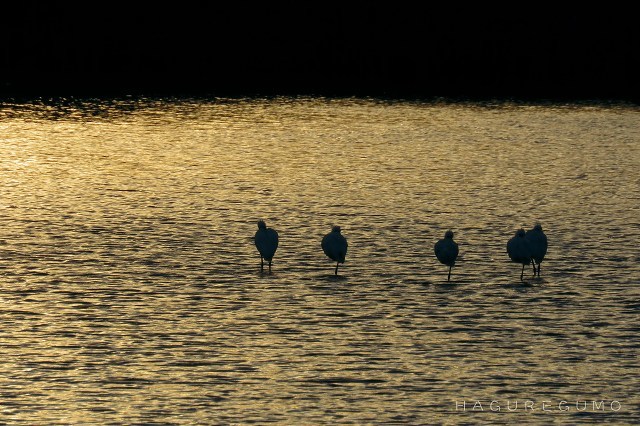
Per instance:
{"type": "Point", "coordinates": [519, 251]}
{"type": "Point", "coordinates": [266, 240]}
{"type": "Point", "coordinates": [334, 245]}
{"type": "Point", "coordinates": [537, 245]}
{"type": "Point", "coordinates": [447, 251]}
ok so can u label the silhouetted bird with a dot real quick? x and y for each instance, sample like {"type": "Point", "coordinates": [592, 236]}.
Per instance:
{"type": "Point", "coordinates": [334, 245]}
{"type": "Point", "coordinates": [537, 245]}
{"type": "Point", "coordinates": [447, 251]}
{"type": "Point", "coordinates": [518, 249]}
{"type": "Point", "coordinates": [267, 243]}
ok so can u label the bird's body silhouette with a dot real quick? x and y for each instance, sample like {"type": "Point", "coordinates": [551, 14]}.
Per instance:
{"type": "Point", "coordinates": [537, 241]}
{"type": "Point", "coordinates": [519, 251]}
{"type": "Point", "coordinates": [266, 240]}
{"type": "Point", "coordinates": [334, 245]}
{"type": "Point", "coordinates": [447, 251]}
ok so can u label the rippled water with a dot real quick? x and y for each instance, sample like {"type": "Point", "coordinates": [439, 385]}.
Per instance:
{"type": "Point", "coordinates": [131, 291]}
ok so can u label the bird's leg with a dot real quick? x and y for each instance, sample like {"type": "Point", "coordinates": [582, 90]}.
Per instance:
{"type": "Point", "coordinates": [337, 263]}
{"type": "Point", "coordinates": [261, 264]}
{"type": "Point", "coordinates": [449, 276]}
{"type": "Point", "coordinates": [538, 269]}
{"type": "Point", "coordinates": [533, 262]}
{"type": "Point", "coordinates": [269, 266]}
{"type": "Point", "coordinates": [522, 273]}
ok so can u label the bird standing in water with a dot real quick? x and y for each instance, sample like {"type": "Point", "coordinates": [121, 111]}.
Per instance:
{"type": "Point", "coordinates": [266, 240]}
{"type": "Point", "coordinates": [334, 245]}
{"type": "Point", "coordinates": [447, 251]}
{"type": "Point", "coordinates": [537, 245]}
{"type": "Point", "coordinates": [519, 251]}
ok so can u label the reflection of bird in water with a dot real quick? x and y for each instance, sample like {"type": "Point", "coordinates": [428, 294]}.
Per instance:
{"type": "Point", "coordinates": [334, 245]}
{"type": "Point", "coordinates": [537, 245]}
{"type": "Point", "coordinates": [266, 240]}
{"type": "Point", "coordinates": [447, 251]}
{"type": "Point", "coordinates": [518, 249]}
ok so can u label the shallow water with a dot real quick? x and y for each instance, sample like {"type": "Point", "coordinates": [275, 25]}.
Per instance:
{"type": "Point", "coordinates": [131, 290]}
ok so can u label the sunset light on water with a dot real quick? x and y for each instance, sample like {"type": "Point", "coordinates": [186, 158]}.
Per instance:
{"type": "Point", "coordinates": [132, 291]}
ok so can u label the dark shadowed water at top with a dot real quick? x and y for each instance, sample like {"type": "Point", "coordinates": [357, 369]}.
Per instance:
{"type": "Point", "coordinates": [131, 290]}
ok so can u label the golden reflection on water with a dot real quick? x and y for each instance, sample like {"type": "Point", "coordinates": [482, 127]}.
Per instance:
{"type": "Point", "coordinates": [131, 289]}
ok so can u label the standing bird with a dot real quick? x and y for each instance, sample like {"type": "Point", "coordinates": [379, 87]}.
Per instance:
{"type": "Point", "coordinates": [334, 245]}
{"type": "Point", "coordinates": [266, 240]}
{"type": "Point", "coordinates": [447, 251]}
{"type": "Point", "coordinates": [518, 249]}
{"type": "Point", "coordinates": [538, 245]}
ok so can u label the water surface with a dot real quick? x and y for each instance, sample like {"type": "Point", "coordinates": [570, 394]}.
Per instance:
{"type": "Point", "coordinates": [131, 290]}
